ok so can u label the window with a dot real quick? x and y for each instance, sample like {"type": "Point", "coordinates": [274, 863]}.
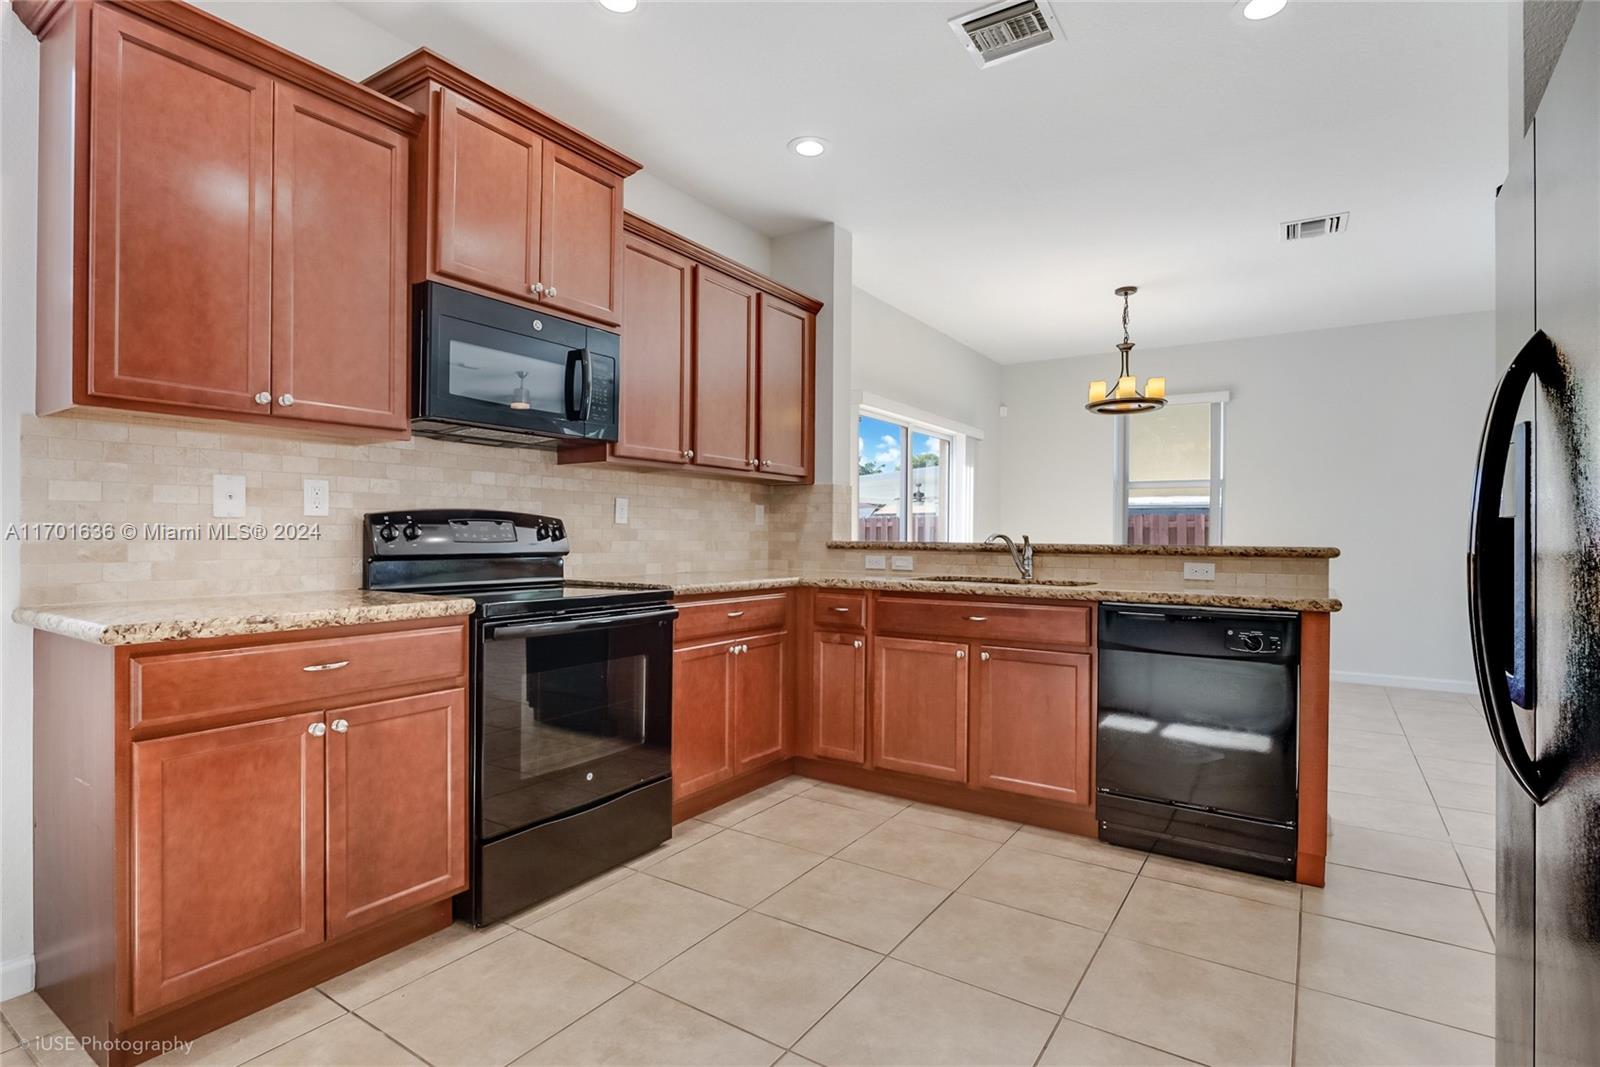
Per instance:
{"type": "Point", "coordinates": [1169, 473]}
{"type": "Point", "coordinates": [913, 482]}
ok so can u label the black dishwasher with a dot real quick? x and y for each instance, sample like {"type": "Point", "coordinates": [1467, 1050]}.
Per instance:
{"type": "Point", "coordinates": [1196, 748]}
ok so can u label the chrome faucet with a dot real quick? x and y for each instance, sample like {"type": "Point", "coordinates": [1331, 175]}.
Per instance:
{"type": "Point", "coordinates": [1023, 559]}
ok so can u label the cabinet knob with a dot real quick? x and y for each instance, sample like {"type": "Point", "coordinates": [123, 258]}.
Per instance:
{"type": "Point", "coordinates": [286, 400]}
{"type": "Point", "coordinates": [263, 397]}
{"type": "Point", "coordinates": [856, 644]}
{"type": "Point", "coordinates": [689, 454]}
{"type": "Point", "coordinates": [341, 726]}
{"type": "Point", "coordinates": [766, 463]}
{"type": "Point", "coordinates": [961, 653]}
{"type": "Point", "coordinates": [550, 291]}
{"type": "Point", "coordinates": [536, 288]}
{"type": "Point", "coordinates": [981, 655]}
{"type": "Point", "coordinates": [316, 729]}
{"type": "Point", "coordinates": [755, 464]}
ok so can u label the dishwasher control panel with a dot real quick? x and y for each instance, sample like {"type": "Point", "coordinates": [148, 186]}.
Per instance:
{"type": "Point", "coordinates": [1260, 642]}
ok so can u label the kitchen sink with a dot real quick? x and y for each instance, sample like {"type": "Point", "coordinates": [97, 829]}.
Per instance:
{"type": "Point", "coordinates": [1001, 580]}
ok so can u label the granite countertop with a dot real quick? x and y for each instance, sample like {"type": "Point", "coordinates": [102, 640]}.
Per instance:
{"type": "Point", "coordinates": [1186, 551]}
{"type": "Point", "coordinates": [138, 622]}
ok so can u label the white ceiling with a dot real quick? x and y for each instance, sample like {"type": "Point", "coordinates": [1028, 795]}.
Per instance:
{"type": "Point", "coordinates": [1160, 145]}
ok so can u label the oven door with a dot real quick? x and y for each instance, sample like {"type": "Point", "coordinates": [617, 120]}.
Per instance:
{"type": "Point", "coordinates": [571, 712]}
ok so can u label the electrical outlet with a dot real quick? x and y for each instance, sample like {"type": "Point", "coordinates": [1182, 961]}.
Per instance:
{"type": "Point", "coordinates": [761, 515]}
{"type": "Point", "coordinates": [1199, 572]}
{"type": "Point", "coordinates": [316, 491]}
{"type": "Point", "coordinates": [227, 496]}
{"type": "Point", "coordinates": [622, 511]}
{"type": "Point", "coordinates": [900, 563]}
{"type": "Point", "coordinates": [876, 563]}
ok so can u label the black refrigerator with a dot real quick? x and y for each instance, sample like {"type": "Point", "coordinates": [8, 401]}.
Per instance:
{"type": "Point", "coordinates": [1534, 573]}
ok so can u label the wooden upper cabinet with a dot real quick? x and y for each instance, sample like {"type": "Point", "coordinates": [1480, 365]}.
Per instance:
{"type": "Point", "coordinates": [920, 708]}
{"type": "Point", "coordinates": [702, 717]}
{"type": "Point", "coordinates": [180, 194]}
{"type": "Point", "coordinates": [226, 848]}
{"type": "Point", "coordinates": [839, 696]}
{"type": "Point", "coordinates": [784, 395]}
{"type": "Point", "coordinates": [340, 335]}
{"type": "Point", "coordinates": [397, 815]}
{"type": "Point", "coordinates": [580, 246]}
{"type": "Point", "coordinates": [489, 178]}
{"type": "Point", "coordinates": [1034, 713]}
{"type": "Point", "coordinates": [724, 371]}
{"type": "Point", "coordinates": [760, 701]}
{"type": "Point", "coordinates": [657, 351]}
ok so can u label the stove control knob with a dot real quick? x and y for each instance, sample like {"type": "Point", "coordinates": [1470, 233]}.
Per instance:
{"type": "Point", "coordinates": [411, 531]}
{"type": "Point", "coordinates": [557, 532]}
{"type": "Point", "coordinates": [541, 532]}
{"type": "Point", "coordinates": [388, 532]}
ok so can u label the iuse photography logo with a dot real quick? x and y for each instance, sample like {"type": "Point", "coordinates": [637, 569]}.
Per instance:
{"type": "Point", "coordinates": [65, 1042]}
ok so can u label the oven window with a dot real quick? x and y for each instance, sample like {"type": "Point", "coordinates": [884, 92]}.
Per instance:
{"type": "Point", "coordinates": [570, 720]}
{"type": "Point", "coordinates": [510, 379]}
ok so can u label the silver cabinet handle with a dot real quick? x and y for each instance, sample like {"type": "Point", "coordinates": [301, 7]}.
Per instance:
{"type": "Point", "coordinates": [550, 291]}
{"type": "Point", "coordinates": [286, 400]}
{"type": "Point", "coordinates": [842, 611]}
{"type": "Point", "coordinates": [536, 288]}
{"type": "Point", "coordinates": [688, 453]}
{"type": "Point", "coordinates": [263, 397]}
{"type": "Point", "coordinates": [735, 614]}
{"type": "Point", "coordinates": [737, 649]}
{"type": "Point", "coordinates": [766, 463]}
{"type": "Point", "coordinates": [961, 653]}
{"type": "Point", "coordinates": [856, 644]}
{"type": "Point", "coordinates": [977, 618]}
{"type": "Point", "coordinates": [341, 726]}
{"type": "Point", "coordinates": [316, 729]}
{"type": "Point", "coordinates": [335, 665]}
{"type": "Point", "coordinates": [981, 655]}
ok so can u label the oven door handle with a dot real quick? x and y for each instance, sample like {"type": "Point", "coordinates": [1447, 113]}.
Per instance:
{"type": "Point", "coordinates": [572, 626]}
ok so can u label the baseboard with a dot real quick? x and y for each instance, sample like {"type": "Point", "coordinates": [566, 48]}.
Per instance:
{"type": "Point", "coordinates": [16, 977]}
{"type": "Point", "coordinates": [1404, 681]}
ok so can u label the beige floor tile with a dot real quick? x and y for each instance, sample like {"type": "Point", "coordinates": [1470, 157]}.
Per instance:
{"type": "Point", "coordinates": [570, 897]}
{"type": "Point", "coordinates": [790, 1059]}
{"type": "Point", "coordinates": [1409, 786]}
{"type": "Point", "coordinates": [643, 1028]}
{"type": "Point", "coordinates": [255, 1034]}
{"type": "Point", "coordinates": [1334, 1032]}
{"type": "Point", "coordinates": [860, 799]}
{"type": "Point", "coordinates": [771, 978]}
{"type": "Point", "coordinates": [348, 1041]}
{"type": "Point", "coordinates": [388, 973]}
{"type": "Point", "coordinates": [1078, 847]}
{"type": "Point", "coordinates": [1366, 740]}
{"type": "Point", "coordinates": [1077, 1045]}
{"type": "Point", "coordinates": [739, 809]}
{"type": "Point", "coordinates": [1247, 934]}
{"type": "Point", "coordinates": [1460, 726]}
{"type": "Point", "coordinates": [60, 1049]}
{"type": "Point", "coordinates": [737, 867]}
{"type": "Point", "coordinates": [494, 1005]}
{"type": "Point", "coordinates": [913, 850]}
{"type": "Point", "coordinates": [1391, 816]}
{"type": "Point", "coordinates": [1234, 883]}
{"type": "Point", "coordinates": [1449, 770]}
{"type": "Point", "coordinates": [1017, 954]}
{"type": "Point", "coordinates": [1466, 796]}
{"type": "Point", "coordinates": [8, 1039]}
{"type": "Point", "coordinates": [1357, 691]}
{"type": "Point", "coordinates": [1189, 1007]}
{"type": "Point", "coordinates": [1469, 827]}
{"type": "Point", "coordinates": [810, 824]}
{"type": "Point", "coordinates": [1355, 717]}
{"type": "Point", "coordinates": [1404, 905]}
{"type": "Point", "coordinates": [30, 1017]}
{"type": "Point", "coordinates": [1486, 902]}
{"type": "Point", "coordinates": [1064, 889]}
{"type": "Point", "coordinates": [635, 926]}
{"type": "Point", "coordinates": [854, 903]}
{"type": "Point", "coordinates": [1398, 759]}
{"type": "Point", "coordinates": [905, 1015]}
{"type": "Point", "coordinates": [795, 784]}
{"type": "Point", "coordinates": [1410, 857]}
{"type": "Point", "coordinates": [1464, 751]}
{"type": "Point", "coordinates": [1479, 864]}
{"type": "Point", "coordinates": [686, 833]}
{"type": "Point", "coordinates": [1444, 983]}
{"type": "Point", "coordinates": [960, 822]}
{"type": "Point", "coordinates": [15, 1056]}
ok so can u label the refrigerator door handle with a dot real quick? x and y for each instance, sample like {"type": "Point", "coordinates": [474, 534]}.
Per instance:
{"type": "Point", "coordinates": [1489, 560]}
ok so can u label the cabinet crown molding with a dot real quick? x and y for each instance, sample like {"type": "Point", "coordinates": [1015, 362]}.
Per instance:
{"type": "Point", "coordinates": [650, 231]}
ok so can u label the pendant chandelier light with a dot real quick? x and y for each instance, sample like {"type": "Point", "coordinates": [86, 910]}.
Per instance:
{"type": "Point", "coordinates": [521, 399]}
{"type": "Point", "coordinates": [1125, 398]}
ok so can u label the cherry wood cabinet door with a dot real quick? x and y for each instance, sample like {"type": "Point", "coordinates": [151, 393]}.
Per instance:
{"type": "Point", "coordinates": [657, 353]}
{"type": "Point", "coordinates": [784, 373]}
{"type": "Point", "coordinates": [702, 717]}
{"type": "Point", "coordinates": [487, 210]}
{"type": "Point", "coordinates": [760, 701]}
{"type": "Point", "coordinates": [724, 371]}
{"type": "Point", "coordinates": [839, 697]}
{"type": "Point", "coordinates": [920, 707]}
{"type": "Point", "coordinates": [1034, 714]}
{"type": "Point", "coordinates": [180, 197]}
{"type": "Point", "coordinates": [580, 242]}
{"type": "Point", "coordinates": [339, 331]}
{"type": "Point", "coordinates": [397, 806]}
{"type": "Point", "coordinates": [227, 862]}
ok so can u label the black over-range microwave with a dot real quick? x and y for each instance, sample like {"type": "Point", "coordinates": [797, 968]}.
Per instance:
{"type": "Point", "coordinates": [495, 373]}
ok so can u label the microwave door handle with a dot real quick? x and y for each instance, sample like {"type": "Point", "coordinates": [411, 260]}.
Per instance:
{"type": "Point", "coordinates": [588, 386]}
{"type": "Point", "coordinates": [575, 360]}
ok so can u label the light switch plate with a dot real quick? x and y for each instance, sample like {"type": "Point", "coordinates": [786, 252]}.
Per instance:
{"type": "Point", "coordinates": [901, 563]}
{"type": "Point", "coordinates": [227, 496]}
{"type": "Point", "coordinates": [876, 563]}
{"type": "Point", "coordinates": [622, 511]}
{"type": "Point", "coordinates": [316, 491]}
{"type": "Point", "coordinates": [1199, 572]}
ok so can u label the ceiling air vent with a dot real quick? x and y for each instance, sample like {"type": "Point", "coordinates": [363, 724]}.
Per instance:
{"type": "Point", "coordinates": [1003, 31]}
{"type": "Point", "coordinates": [1321, 226]}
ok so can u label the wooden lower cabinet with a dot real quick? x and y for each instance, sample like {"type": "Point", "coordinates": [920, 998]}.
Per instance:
{"type": "Point", "coordinates": [839, 696]}
{"type": "Point", "coordinates": [1033, 713]}
{"type": "Point", "coordinates": [702, 717]}
{"type": "Point", "coordinates": [760, 704]}
{"type": "Point", "coordinates": [919, 707]}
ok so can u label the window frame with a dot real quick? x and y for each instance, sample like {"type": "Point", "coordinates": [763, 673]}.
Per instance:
{"type": "Point", "coordinates": [959, 479]}
{"type": "Point", "coordinates": [1218, 401]}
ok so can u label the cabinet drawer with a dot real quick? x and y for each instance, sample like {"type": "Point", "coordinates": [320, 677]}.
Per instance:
{"type": "Point", "coordinates": [840, 611]}
{"type": "Point", "coordinates": [723, 618]}
{"type": "Point", "coordinates": [987, 620]}
{"type": "Point", "coordinates": [230, 682]}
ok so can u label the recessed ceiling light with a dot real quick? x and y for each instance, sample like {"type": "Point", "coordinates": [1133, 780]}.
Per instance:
{"type": "Point", "coordinates": [808, 146]}
{"type": "Point", "coordinates": [621, 7]}
{"type": "Point", "coordinates": [1256, 10]}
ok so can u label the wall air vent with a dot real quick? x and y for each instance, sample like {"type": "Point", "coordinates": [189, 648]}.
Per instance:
{"type": "Point", "coordinates": [1321, 226]}
{"type": "Point", "coordinates": [1003, 31]}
